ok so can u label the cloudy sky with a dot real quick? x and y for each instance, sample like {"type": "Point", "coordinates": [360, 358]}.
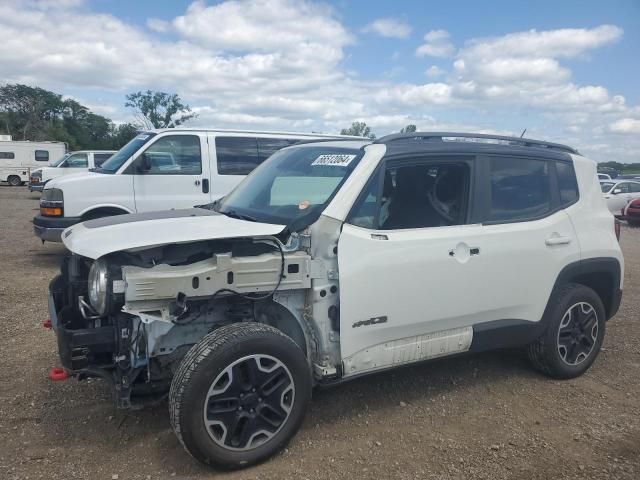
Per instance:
{"type": "Point", "coordinates": [565, 70]}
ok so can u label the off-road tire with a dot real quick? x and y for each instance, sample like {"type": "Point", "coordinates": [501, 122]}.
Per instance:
{"type": "Point", "coordinates": [14, 181]}
{"type": "Point", "coordinates": [544, 353]}
{"type": "Point", "coordinates": [208, 359]}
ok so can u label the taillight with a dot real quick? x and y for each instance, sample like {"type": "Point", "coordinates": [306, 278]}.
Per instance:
{"type": "Point", "coordinates": [616, 228]}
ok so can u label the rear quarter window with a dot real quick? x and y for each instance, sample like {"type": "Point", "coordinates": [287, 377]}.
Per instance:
{"type": "Point", "coordinates": [567, 183]}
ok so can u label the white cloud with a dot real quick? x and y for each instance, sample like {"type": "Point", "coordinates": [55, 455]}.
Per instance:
{"type": "Point", "coordinates": [279, 65]}
{"type": "Point", "coordinates": [263, 25]}
{"type": "Point", "coordinates": [157, 25]}
{"type": "Point", "coordinates": [437, 44]}
{"type": "Point", "coordinates": [389, 27]}
{"type": "Point", "coordinates": [434, 71]}
{"type": "Point", "coordinates": [564, 42]}
{"type": "Point", "coordinates": [626, 125]}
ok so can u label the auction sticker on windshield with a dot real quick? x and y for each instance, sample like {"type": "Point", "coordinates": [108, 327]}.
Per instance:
{"type": "Point", "coordinates": [336, 160]}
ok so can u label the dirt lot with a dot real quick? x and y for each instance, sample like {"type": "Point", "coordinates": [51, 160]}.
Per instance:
{"type": "Point", "coordinates": [485, 416]}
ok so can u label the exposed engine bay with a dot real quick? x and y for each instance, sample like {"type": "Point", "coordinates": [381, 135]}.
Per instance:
{"type": "Point", "coordinates": [130, 317]}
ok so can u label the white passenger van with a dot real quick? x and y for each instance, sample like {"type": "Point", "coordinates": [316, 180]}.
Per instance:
{"type": "Point", "coordinates": [73, 162]}
{"type": "Point", "coordinates": [159, 170]}
{"type": "Point", "coordinates": [19, 158]}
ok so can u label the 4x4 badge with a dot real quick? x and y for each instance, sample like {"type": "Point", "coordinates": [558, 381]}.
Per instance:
{"type": "Point", "coordinates": [371, 321]}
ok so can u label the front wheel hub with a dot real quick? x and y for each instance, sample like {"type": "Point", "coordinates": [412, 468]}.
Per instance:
{"type": "Point", "coordinates": [249, 402]}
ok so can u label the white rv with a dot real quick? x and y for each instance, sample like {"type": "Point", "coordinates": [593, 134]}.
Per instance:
{"type": "Point", "coordinates": [18, 158]}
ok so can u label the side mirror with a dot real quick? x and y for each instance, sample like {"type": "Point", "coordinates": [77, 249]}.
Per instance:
{"type": "Point", "coordinates": [616, 191]}
{"type": "Point", "coordinates": [144, 163]}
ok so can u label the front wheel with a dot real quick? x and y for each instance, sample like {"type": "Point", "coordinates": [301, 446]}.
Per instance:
{"type": "Point", "coordinates": [239, 395]}
{"type": "Point", "coordinates": [575, 325]}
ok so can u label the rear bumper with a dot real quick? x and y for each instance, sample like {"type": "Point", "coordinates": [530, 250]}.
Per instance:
{"type": "Point", "coordinates": [36, 187]}
{"type": "Point", "coordinates": [50, 228]}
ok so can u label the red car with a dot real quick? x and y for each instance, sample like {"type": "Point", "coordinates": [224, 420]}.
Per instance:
{"type": "Point", "coordinates": [631, 212]}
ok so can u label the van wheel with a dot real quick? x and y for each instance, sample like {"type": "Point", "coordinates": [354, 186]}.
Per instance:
{"type": "Point", "coordinates": [14, 181]}
{"type": "Point", "coordinates": [575, 321]}
{"type": "Point", "coordinates": [239, 395]}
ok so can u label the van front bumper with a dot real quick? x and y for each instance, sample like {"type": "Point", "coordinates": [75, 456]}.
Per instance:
{"type": "Point", "coordinates": [36, 187]}
{"type": "Point", "coordinates": [49, 229]}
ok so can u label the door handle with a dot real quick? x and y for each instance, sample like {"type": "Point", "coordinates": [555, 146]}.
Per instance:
{"type": "Point", "coordinates": [205, 185]}
{"type": "Point", "coordinates": [558, 240]}
{"type": "Point", "coordinates": [472, 251]}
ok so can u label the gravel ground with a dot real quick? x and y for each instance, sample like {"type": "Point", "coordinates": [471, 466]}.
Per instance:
{"type": "Point", "coordinates": [485, 416]}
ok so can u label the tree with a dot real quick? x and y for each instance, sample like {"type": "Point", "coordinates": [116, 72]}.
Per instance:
{"type": "Point", "coordinates": [28, 112]}
{"type": "Point", "coordinates": [409, 129]}
{"type": "Point", "coordinates": [159, 109]}
{"type": "Point", "coordinates": [358, 129]}
{"type": "Point", "coordinates": [121, 134]}
{"type": "Point", "coordinates": [32, 113]}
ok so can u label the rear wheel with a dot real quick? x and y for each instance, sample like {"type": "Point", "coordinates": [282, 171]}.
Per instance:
{"type": "Point", "coordinates": [575, 322]}
{"type": "Point", "coordinates": [14, 180]}
{"type": "Point", "coordinates": [239, 395]}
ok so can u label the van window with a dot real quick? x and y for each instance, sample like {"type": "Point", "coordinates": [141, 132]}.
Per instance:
{"type": "Point", "coordinates": [269, 146]}
{"type": "Point", "coordinates": [236, 155]}
{"type": "Point", "coordinates": [567, 183]}
{"type": "Point", "coordinates": [173, 155]}
{"type": "Point", "coordinates": [121, 156]}
{"type": "Point", "coordinates": [100, 158]}
{"type": "Point", "coordinates": [42, 155]}
{"type": "Point", "coordinates": [77, 160]}
{"type": "Point", "coordinates": [520, 189]}
{"type": "Point", "coordinates": [7, 155]}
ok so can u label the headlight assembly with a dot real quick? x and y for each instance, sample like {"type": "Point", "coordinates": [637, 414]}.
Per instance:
{"type": "Point", "coordinates": [99, 286]}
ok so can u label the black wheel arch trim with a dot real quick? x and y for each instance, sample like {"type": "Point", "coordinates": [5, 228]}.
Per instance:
{"type": "Point", "coordinates": [511, 333]}
{"type": "Point", "coordinates": [602, 274]}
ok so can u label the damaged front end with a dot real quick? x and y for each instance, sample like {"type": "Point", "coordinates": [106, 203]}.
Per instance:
{"type": "Point", "coordinates": [130, 317]}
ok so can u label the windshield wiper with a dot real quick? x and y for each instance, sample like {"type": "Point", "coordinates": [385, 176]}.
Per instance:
{"type": "Point", "coordinates": [240, 216]}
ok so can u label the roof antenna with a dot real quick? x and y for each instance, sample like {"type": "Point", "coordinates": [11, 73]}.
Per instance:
{"type": "Point", "coordinates": [522, 134]}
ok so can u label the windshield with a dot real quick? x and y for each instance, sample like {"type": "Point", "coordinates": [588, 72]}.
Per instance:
{"type": "Point", "coordinates": [606, 186]}
{"type": "Point", "coordinates": [293, 185]}
{"type": "Point", "coordinates": [60, 160]}
{"type": "Point", "coordinates": [114, 163]}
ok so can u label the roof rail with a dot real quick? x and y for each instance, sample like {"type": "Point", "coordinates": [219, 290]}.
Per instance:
{"type": "Point", "coordinates": [440, 136]}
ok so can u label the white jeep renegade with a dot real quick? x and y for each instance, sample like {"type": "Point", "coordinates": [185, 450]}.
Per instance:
{"type": "Point", "coordinates": [335, 259]}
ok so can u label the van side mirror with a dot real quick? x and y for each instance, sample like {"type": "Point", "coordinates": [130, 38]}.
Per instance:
{"type": "Point", "coordinates": [616, 191]}
{"type": "Point", "coordinates": [143, 163]}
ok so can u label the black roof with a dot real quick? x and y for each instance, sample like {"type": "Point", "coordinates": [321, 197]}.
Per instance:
{"type": "Point", "coordinates": [418, 141]}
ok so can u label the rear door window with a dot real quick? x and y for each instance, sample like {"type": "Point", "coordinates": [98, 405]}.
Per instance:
{"type": "Point", "coordinates": [520, 189]}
